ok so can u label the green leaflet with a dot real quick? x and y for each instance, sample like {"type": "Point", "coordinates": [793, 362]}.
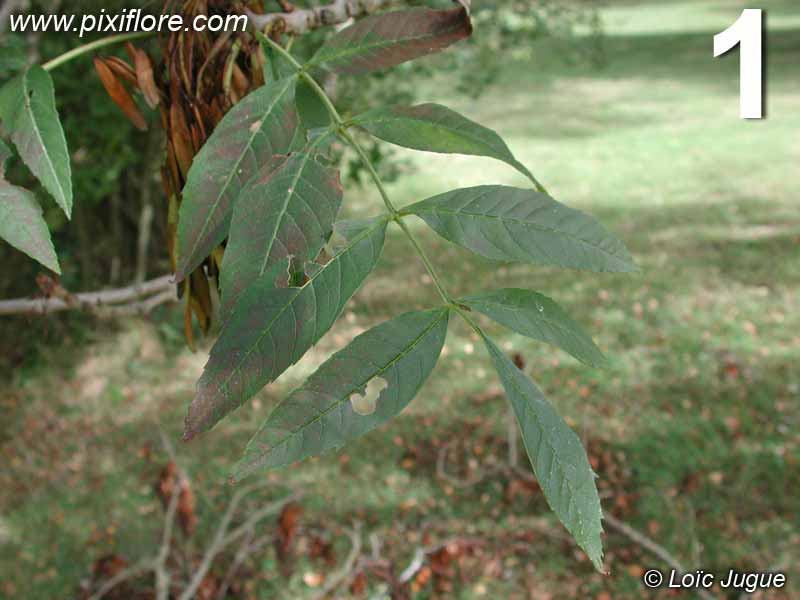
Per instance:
{"type": "Point", "coordinates": [436, 128]}
{"type": "Point", "coordinates": [276, 66]}
{"type": "Point", "coordinates": [512, 224]}
{"type": "Point", "coordinates": [262, 125]}
{"type": "Point", "coordinates": [388, 39]}
{"type": "Point", "coordinates": [558, 459]}
{"type": "Point", "coordinates": [5, 154]}
{"type": "Point", "coordinates": [21, 222]}
{"type": "Point", "coordinates": [320, 416]}
{"type": "Point", "coordinates": [538, 317]}
{"type": "Point", "coordinates": [28, 112]}
{"type": "Point", "coordinates": [285, 211]}
{"type": "Point", "coordinates": [271, 329]}
{"type": "Point", "coordinates": [313, 112]}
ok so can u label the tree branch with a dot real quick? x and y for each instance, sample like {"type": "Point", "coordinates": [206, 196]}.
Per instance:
{"type": "Point", "coordinates": [223, 539]}
{"type": "Point", "coordinates": [134, 299]}
{"type": "Point", "coordinates": [349, 563]}
{"type": "Point", "coordinates": [652, 547]}
{"type": "Point", "coordinates": [303, 20]}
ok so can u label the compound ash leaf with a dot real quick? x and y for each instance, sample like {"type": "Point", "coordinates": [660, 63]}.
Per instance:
{"type": "Point", "coordinates": [356, 390]}
{"type": "Point", "coordinates": [558, 459]}
{"type": "Point", "coordinates": [436, 128]}
{"type": "Point", "coordinates": [512, 224]}
{"type": "Point", "coordinates": [283, 211]}
{"type": "Point", "coordinates": [259, 127]}
{"type": "Point", "coordinates": [388, 39]}
{"type": "Point", "coordinates": [28, 112]}
{"type": "Point", "coordinates": [537, 317]}
{"type": "Point", "coordinates": [270, 329]}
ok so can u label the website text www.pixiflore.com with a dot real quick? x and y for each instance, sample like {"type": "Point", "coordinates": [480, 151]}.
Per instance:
{"type": "Point", "coordinates": [125, 21]}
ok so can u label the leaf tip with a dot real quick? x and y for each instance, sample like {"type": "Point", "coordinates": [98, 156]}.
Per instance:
{"type": "Point", "coordinates": [241, 470]}
{"type": "Point", "coordinates": [601, 361]}
{"type": "Point", "coordinates": [597, 561]}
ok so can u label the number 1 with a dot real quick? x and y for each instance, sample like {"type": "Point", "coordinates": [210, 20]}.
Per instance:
{"type": "Point", "coordinates": [746, 32]}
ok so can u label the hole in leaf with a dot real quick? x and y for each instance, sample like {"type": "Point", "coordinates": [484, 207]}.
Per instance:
{"type": "Point", "coordinates": [367, 403]}
{"type": "Point", "coordinates": [284, 279]}
{"type": "Point", "coordinates": [336, 242]}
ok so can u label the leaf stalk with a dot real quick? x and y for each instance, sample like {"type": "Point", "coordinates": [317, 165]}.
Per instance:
{"type": "Point", "coordinates": [86, 48]}
{"type": "Point", "coordinates": [345, 134]}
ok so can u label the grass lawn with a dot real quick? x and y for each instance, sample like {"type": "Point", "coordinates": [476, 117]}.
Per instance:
{"type": "Point", "coordinates": [692, 429]}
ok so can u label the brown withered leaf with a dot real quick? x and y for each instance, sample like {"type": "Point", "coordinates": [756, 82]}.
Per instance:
{"type": "Point", "coordinates": [108, 566]}
{"type": "Point", "coordinates": [121, 69]}
{"type": "Point", "coordinates": [208, 589]}
{"type": "Point", "coordinates": [119, 94]}
{"type": "Point", "coordinates": [240, 82]}
{"type": "Point", "coordinates": [188, 330]}
{"type": "Point", "coordinates": [165, 486]}
{"type": "Point", "coordinates": [168, 484]}
{"type": "Point", "coordinates": [187, 517]}
{"type": "Point", "coordinates": [197, 139]}
{"type": "Point", "coordinates": [323, 550]}
{"type": "Point", "coordinates": [288, 524]}
{"type": "Point", "coordinates": [181, 138]}
{"type": "Point", "coordinates": [359, 584]}
{"type": "Point", "coordinates": [145, 78]}
{"type": "Point", "coordinates": [199, 124]}
{"type": "Point", "coordinates": [201, 293]}
{"type": "Point", "coordinates": [389, 39]}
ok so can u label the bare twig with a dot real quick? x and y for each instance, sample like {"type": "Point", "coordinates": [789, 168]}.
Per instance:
{"type": "Point", "coordinates": [422, 554]}
{"type": "Point", "coordinates": [139, 569]}
{"type": "Point", "coordinates": [441, 470]}
{"type": "Point", "coordinates": [300, 21]}
{"type": "Point", "coordinates": [157, 564]}
{"type": "Point", "coordinates": [248, 548]}
{"type": "Point", "coordinates": [347, 567]}
{"type": "Point", "coordinates": [139, 308]}
{"type": "Point", "coordinates": [651, 546]}
{"type": "Point", "coordinates": [223, 539]}
{"type": "Point", "coordinates": [414, 566]}
{"type": "Point", "coordinates": [163, 577]}
{"type": "Point", "coordinates": [127, 300]}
